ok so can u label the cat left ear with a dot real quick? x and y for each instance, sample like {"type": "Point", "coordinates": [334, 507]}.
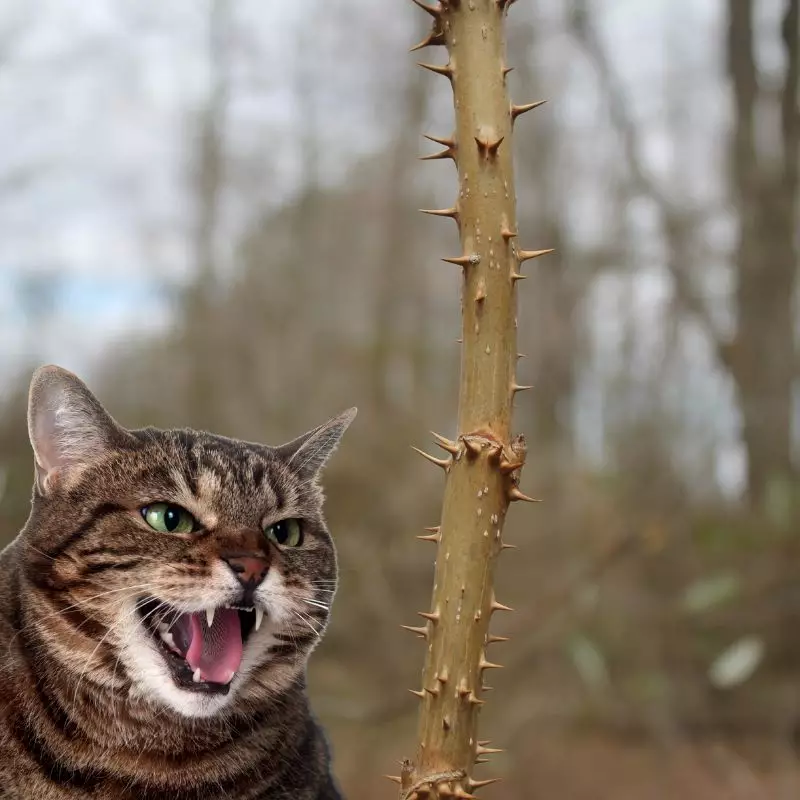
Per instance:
{"type": "Point", "coordinates": [308, 453]}
{"type": "Point", "coordinates": [67, 425]}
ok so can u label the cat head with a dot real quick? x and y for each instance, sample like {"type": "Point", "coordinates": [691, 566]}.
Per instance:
{"type": "Point", "coordinates": [189, 570]}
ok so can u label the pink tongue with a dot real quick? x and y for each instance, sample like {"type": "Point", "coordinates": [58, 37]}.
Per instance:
{"type": "Point", "coordinates": [217, 650]}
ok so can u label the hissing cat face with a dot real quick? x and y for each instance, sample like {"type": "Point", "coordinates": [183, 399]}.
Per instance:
{"type": "Point", "coordinates": [185, 569]}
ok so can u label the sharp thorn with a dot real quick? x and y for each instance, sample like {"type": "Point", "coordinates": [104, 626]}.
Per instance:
{"type": "Point", "coordinates": [434, 537]}
{"type": "Point", "coordinates": [435, 37]}
{"type": "Point", "coordinates": [481, 760]}
{"type": "Point", "coordinates": [433, 616]}
{"type": "Point", "coordinates": [416, 693]}
{"type": "Point", "coordinates": [524, 255]}
{"type": "Point", "coordinates": [518, 276]}
{"type": "Point", "coordinates": [484, 664]}
{"type": "Point", "coordinates": [444, 443]}
{"type": "Point", "coordinates": [505, 546]}
{"type": "Point", "coordinates": [507, 467]}
{"type": "Point", "coordinates": [446, 153]}
{"type": "Point", "coordinates": [474, 700]}
{"type": "Point", "coordinates": [444, 463]}
{"type": "Point", "coordinates": [393, 778]}
{"type": "Point", "coordinates": [489, 149]}
{"type": "Point", "coordinates": [434, 692]}
{"type": "Point", "coordinates": [434, 11]}
{"type": "Point", "coordinates": [434, 528]}
{"type": "Point", "coordinates": [473, 447]}
{"type": "Point", "coordinates": [508, 234]}
{"type": "Point", "coordinates": [515, 494]}
{"type": "Point", "coordinates": [473, 784]}
{"type": "Point", "coordinates": [442, 212]}
{"type": "Point", "coordinates": [495, 146]}
{"type": "Point", "coordinates": [442, 140]}
{"type": "Point", "coordinates": [495, 606]}
{"type": "Point", "coordinates": [517, 111]}
{"type": "Point", "coordinates": [439, 69]}
{"type": "Point", "coordinates": [521, 355]}
{"type": "Point", "coordinates": [464, 261]}
{"type": "Point", "coordinates": [421, 632]}
{"type": "Point", "coordinates": [487, 751]}
{"type": "Point", "coordinates": [492, 639]}
{"type": "Point", "coordinates": [516, 387]}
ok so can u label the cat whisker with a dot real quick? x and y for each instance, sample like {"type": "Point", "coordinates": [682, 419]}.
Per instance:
{"type": "Point", "coordinates": [307, 621]}
{"type": "Point", "coordinates": [37, 550]}
{"type": "Point", "coordinates": [315, 603]}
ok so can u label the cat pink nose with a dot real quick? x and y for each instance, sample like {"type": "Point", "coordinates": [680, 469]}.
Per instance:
{"type": "Point", "coordinates": [250, 570]}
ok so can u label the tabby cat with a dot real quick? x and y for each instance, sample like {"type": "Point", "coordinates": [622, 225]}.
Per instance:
{"type": "Point", "coordinates": [158, 609]}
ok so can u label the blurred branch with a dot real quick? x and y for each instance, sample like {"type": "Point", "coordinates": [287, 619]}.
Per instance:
{"type": "Point", "coordinates": [679, 225]}
{"type": "Point", "coordinates": [207, 185]}
{"type": "Point", "coordinates": [790, 120]}
{"type": "Point", "coordinates": [210, 156]}
{"type": "Point", "coordinates": [399, 277]}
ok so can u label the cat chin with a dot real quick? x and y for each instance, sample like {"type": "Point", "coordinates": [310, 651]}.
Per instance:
{"type": "Point", "coordinates": [161, 691]}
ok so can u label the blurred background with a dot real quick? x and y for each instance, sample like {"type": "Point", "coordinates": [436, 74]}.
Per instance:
{"type": "Point", "coordinates": [207, 209]}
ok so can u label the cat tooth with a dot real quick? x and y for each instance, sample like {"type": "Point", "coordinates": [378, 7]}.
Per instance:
{"type": "Point", "coordinates": [259, 617]}
{"type": "Point", "coordinates": [196, 675]}
{"type": "Point", "coordinates": [163, 627]}
{"type": "Point", "coordinates": [166, 637]}
{"type": "Point", "coordinates": [210, 616]}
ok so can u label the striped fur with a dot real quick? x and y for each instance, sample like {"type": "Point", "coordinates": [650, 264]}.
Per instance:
{"type": "Point", "coordinates": [87, 705]}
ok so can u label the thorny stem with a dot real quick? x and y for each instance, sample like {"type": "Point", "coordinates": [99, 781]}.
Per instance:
{"type": "Point", "coordinates": [483, 465]}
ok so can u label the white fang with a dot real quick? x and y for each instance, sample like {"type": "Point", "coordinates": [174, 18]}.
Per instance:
{"type": "Point", "coordinates": [210, 616]}
{"type": "Point", "coordinates": [259, 617]}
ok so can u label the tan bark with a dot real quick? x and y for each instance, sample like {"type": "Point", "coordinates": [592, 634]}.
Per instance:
{"type": "Point", "coordinates": [482, 466]}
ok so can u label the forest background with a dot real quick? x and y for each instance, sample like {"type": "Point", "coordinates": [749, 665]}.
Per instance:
{"type": "Point", "coordinates": [207, 209]}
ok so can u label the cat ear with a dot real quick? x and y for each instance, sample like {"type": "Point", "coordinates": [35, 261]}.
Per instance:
{"type": "Point", "coordinates": [68, 427]}
{"type": "Point", "coordinates": [308, 453]}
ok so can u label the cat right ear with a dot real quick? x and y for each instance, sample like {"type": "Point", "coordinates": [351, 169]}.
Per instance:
{"type": "Point", "coordinates": [308, 453]}
{"type": "Point", "coordinates": [67, 425]}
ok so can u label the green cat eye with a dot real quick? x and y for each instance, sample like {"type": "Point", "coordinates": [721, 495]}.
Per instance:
{"type": "Point", "coordinates": [286, 533]}
{"type": "Point", "coordinates": [168, 518]}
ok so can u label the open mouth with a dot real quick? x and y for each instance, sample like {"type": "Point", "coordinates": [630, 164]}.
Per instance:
{"type": "Point", "coordinates": [203, 649]}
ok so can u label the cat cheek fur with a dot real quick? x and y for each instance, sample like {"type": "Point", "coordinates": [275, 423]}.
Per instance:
{"type": "Point", "coordinates": [92, 702]}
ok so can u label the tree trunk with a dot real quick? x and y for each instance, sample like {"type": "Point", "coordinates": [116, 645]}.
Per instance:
{"type": "Point", "coordinates": [762, 353]}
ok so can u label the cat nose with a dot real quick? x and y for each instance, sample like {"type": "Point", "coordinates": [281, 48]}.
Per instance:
{"type": "Point", "coordinates": [250, 570]}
